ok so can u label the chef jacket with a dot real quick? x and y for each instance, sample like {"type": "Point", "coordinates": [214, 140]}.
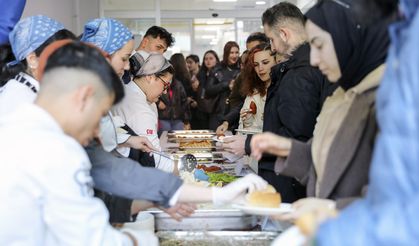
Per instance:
{"type": "Point", "coordinates": [22, 88]}
{"type": "Point", "coordinates": [47, 191]}
{"type": "Point", "coordinates": [118, 176]}
{"type": "Point", "coordinates": [142, 117]}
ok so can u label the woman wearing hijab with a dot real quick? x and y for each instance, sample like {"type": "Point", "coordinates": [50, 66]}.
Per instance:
{"type": "Point", "coordinates": [28, 39]}
{"type": "Point", "coordinates": [334, 164]}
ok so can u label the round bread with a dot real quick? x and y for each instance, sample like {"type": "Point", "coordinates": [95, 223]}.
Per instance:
{"type": "Point", "coordinates": [306, 224]}
{"type": "Point", "coordinates": [267, 198]}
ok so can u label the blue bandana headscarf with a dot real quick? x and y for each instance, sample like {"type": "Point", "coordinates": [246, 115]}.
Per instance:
{"type": "Point", "coordinates": [108, 34]}
{"type": "Point", "coordinates": [30, 33]}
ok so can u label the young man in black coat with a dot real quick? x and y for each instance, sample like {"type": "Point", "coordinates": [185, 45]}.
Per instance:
{"type": "Point", "coordinates": [295, 96]}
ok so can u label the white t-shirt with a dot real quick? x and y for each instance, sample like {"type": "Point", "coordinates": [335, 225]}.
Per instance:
{"type": "Point", "coordinates": [46, 187]}
{"type": "Point", "coordinates": [15, 93]}
{"type": "Point", "coordinates": [142, 117]}
{"type": "Point", "coordinates": [253, 121]}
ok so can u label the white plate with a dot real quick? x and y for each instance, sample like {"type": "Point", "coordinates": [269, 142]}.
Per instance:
{"type": "Point", "coordinates": [248, 131]}
{"type": "Point", "coordinates": [282, 209]}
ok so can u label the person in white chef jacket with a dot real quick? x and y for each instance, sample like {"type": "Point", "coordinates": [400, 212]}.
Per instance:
{"type": "Point", "coordinates": [28, 39]}
{"type": "Point", "coordinates": [138, 109]}
{"type": "Point", "coordinates": [49, 188]}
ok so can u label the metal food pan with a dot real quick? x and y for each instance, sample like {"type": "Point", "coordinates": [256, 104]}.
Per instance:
{"type": "Point", "coordinates": [192, 132]}
{"type": "Point", "coordinates": [219, 238]}
{"type": "Point", "coordinates": [206, 219]}
{"type": "Point", "coordinates": [187, 138]}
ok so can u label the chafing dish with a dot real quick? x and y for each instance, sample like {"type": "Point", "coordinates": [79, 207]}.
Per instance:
{"type": "Point", "coordinates": [189, 137]}
{"type": "Point", "coordinates": [191, 132]}
{"type": "Point", "coordinates": [219, 238]}
{"type": "Point", "coordinates": [207, 218]}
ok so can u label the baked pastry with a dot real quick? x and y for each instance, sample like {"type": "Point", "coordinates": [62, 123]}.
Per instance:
{"type": "Point", "coordinates": [267, 198]}
{"type": "Point", "coordinates": [196, 144]}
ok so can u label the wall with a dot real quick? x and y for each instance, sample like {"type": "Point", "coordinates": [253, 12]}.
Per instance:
{"type": "Point", "coordinates": [72, 13]}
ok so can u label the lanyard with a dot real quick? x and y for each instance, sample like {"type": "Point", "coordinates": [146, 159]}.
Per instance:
{"type": "Point", "coordinates": [21, 79]}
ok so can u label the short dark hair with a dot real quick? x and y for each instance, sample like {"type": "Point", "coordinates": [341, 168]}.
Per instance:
{"type": "Point", "coordinates": [193, 57]}
{"type": "Point", "coordinates": [282, 12]}
{"type": "Point", "coordinates": [82, 56]}
{"type": "Point", "coordinates": [158, 31]}
{"type": "Point", "coordinates": [257, 36]}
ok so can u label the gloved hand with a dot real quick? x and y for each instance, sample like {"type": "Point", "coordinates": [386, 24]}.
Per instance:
{"type": "Point", "coordinates": [236, 190]}
{"type": "Point", "coordinates": [143, 237]}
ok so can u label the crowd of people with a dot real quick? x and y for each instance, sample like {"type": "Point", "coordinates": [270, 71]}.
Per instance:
{"type": "Point", "coordinates": [328, 95]}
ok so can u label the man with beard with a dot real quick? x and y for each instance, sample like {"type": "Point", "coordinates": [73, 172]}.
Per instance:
{"type": "Point", "coordinates": [294, 98]}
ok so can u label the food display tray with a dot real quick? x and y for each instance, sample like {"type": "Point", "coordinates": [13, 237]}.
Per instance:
{"type": "Point", "coordinates": [219, 238]}
{"type": "Point", "coordinates": [206, 219]}
{"type": "Point", "coordinates": [190, 132]}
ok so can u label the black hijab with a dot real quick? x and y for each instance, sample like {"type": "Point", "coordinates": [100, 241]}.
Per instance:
{"type": "Point", "coordinates": [359, 49]}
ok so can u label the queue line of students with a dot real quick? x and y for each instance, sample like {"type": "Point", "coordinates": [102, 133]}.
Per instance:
{"type": "Point", "coordinates": [71, 107]}
{"type": "Point", "coordinates": [348, 59]}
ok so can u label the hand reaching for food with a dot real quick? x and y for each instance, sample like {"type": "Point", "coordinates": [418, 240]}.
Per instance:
{"type": "Point", "coordinates": [236, 190]}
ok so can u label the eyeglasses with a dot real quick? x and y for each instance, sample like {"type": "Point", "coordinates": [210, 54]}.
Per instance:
{"type": "Point", "coordinates": [165, 83]}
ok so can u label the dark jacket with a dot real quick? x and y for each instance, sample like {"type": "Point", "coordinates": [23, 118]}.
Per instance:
{"type": "Point", "coordinates": [177, 107]}
{"type": "Point", "coordinates": [205, 104]}
{"type": "Point", "coordinates": [218, 90]}
{"type": "Point", "coordinates": [234, 104]}
{"type": "Point", "coordinates": [200, 114]}
{"type": "Point", "coordinates": [293, 101]}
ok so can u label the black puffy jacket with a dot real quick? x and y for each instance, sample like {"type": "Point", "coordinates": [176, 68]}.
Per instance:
{"type": "Point", "coordinates": [177, 107]}
{"type": "Point", "coordinates": [217, 89]}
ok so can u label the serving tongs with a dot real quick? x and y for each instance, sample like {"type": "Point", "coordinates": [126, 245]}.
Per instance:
{"type": "Point", "coordinates": [160, 153]}
{"type": "Point", "coordinates": [188, 162]}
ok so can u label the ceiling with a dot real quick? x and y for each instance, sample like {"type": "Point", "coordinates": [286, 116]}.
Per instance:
{"type": "Point", "coordinates": [187, 4]}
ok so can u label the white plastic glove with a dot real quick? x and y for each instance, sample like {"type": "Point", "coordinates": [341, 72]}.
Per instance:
{"type": "Point", "coordinates": [143, 237]}
{"type": "Point", "coordinates": [237, 190]}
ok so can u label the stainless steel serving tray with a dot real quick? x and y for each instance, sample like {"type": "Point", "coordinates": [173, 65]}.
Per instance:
{"type": "Point", "coordinates": [205, 156]}
{"type": "Point", "coordinates": [189, 137]}
{"type": "Point", "coordinates": [206, 219]}
{"type": "Point", "coordinates": [218, 238]}
{"type": "Point", "coordinates": [191, 132]}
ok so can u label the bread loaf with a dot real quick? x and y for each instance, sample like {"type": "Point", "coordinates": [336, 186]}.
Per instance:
{"type": "Point", "coordinates": [267, 198]}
